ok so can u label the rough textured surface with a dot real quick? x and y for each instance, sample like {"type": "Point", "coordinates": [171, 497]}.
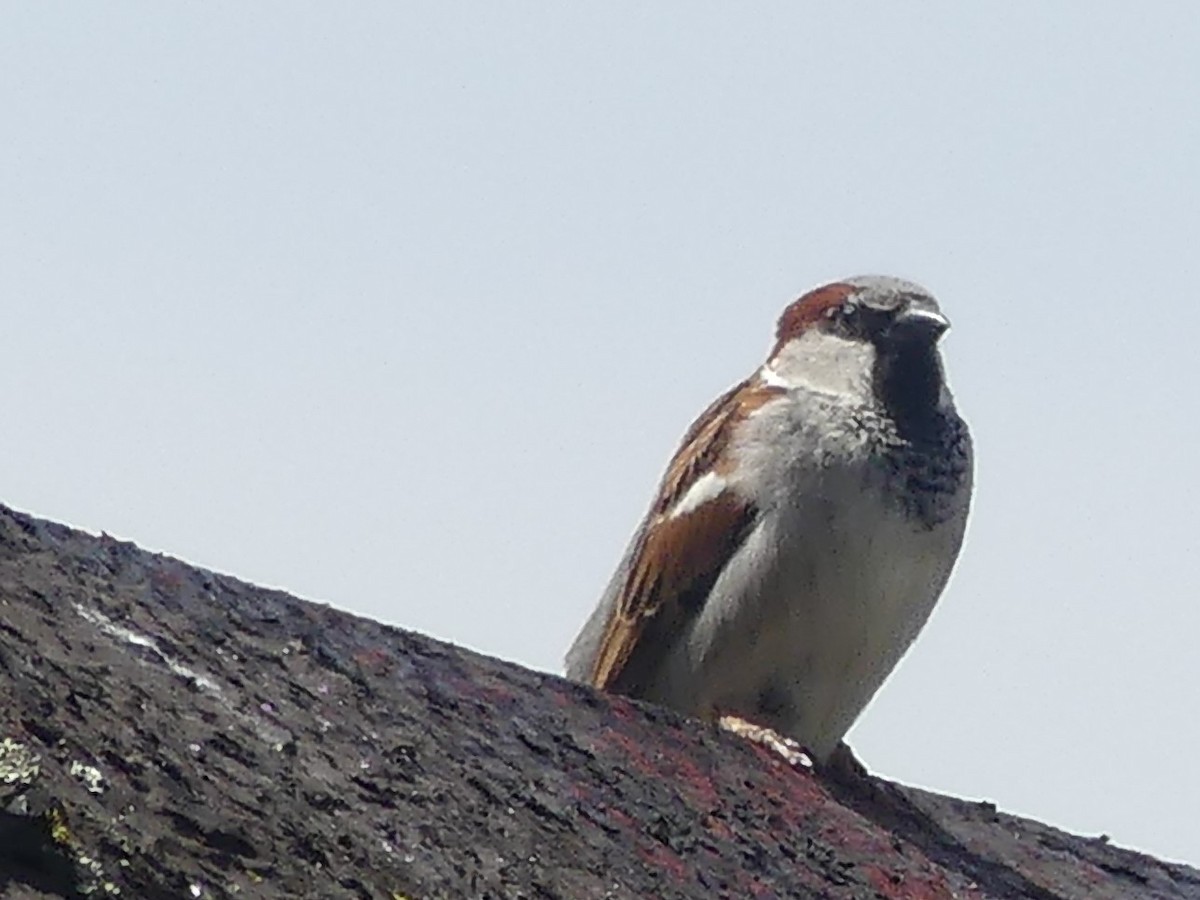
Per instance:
{"type": "Point", "coordinates": [169, 732]}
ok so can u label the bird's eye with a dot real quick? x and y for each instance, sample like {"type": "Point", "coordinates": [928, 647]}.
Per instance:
{"type": "Point", "coordinates": [849, 310]}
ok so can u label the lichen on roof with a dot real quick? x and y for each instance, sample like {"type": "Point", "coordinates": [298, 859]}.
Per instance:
{"type": "Point", "coordinates": [19, 767]}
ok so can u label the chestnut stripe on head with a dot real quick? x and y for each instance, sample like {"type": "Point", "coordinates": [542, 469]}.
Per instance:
{"type": "Point", "coordinates": [812, 308]}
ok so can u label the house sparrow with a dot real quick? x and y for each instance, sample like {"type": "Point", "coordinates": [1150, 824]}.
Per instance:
{"type": "Point", "coordinates": [802, 532]}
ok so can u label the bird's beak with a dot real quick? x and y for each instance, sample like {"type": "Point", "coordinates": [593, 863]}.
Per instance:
{"type": "Point", "coordinates": [920, 321]}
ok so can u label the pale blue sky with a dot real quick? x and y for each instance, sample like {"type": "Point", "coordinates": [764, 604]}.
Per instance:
{"type": "Point", "coordinates": [404, 308]}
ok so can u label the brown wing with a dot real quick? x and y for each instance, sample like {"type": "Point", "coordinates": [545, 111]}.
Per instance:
{"type": "Point", "coordinates": [677, 558]}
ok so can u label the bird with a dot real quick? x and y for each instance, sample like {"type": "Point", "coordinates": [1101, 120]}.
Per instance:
{"type": "Point", "coordinates": [802, 532]}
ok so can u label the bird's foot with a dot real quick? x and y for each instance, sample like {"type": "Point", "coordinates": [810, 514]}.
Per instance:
{"type": "Point", "coordinates": [760, 734]}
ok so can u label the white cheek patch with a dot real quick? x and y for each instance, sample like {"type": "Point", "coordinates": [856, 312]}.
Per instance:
{"type": "Point", "coordinates": [823, 363]}
{"type": "Point", "coordinates": [771, 378]}
{"type": "Point", "coordinates": [707, 487]}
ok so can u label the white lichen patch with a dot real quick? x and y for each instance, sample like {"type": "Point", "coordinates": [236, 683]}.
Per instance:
{"type": "Point", "coordinates": [19, 766]}
{"type": "Point", "coordinates": [97, 883]}
{"type": "Point", "coordinates": [92, 778]}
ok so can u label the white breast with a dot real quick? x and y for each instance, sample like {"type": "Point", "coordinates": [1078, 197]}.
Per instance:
{"type": "Point", "coordinates": [848, 603]}
{"type": "Point", "coordinates": [818, 606]}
